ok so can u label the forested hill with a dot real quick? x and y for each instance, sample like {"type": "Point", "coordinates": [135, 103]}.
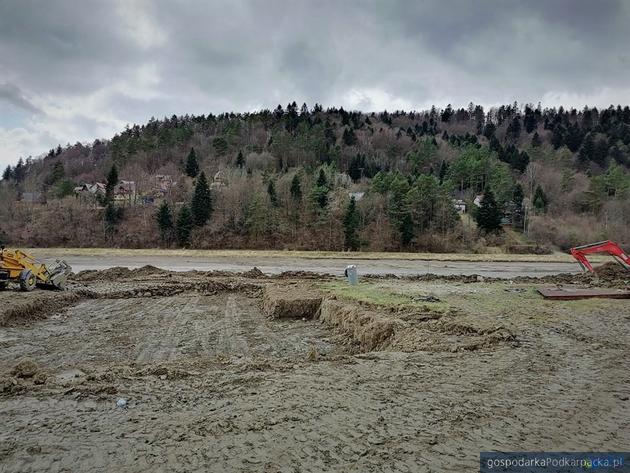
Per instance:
{"type": "Point", "coordinates": [285, 179]}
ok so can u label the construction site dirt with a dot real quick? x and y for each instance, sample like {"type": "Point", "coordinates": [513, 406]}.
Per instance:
{"type": "Point", "coordinates": [146, 369]}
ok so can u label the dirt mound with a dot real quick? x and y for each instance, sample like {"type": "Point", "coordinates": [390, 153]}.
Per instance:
{"type": "Point", "coordinates": [24, 375]}
{"type": "Point", "coordinates": [117, 273]}
{"type": "Point", "coordinates": [369, 329]}
{"type": "Point", "coordinates": [25, 368]}
{"type": "Point", "coordinates": [612, 272]}
{"type": "Point", "coordinates": [373, 330]}
{"type": "Point", "coordinates": [607, 275]}
{"type": "Point", "coordinates": [432, 277]}
{"type": "Point", "coordinates": [40, 306]}
{"type": "Point", "coordinates": [167, 289]}
{"type": "Point", "coordinates": [148, 270]}
{"type": "Point", "coordinates": [89, 275]}
{"type": "Point", "coordinates": [254, 273]}
{"type": "Point", "coordinates": [302, 275]}
{"type": "Point", "coordinates": [291, 302]}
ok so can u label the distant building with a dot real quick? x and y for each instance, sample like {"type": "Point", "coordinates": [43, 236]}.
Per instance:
{"type": "Point", "coordinates": [90, 190]}
{"type": "Point", "coordinates": [459, 205]}
{"type": "Point", "coordinates": [163, 183]}
{"type": "Point", "coordinates": [219, 180]}
{"type": "Point", "coordinates": [125, 191]}
{"type": "Point", "coordinates": [33, 198]}
{"type": "Point", "coordinates": [357, 195]}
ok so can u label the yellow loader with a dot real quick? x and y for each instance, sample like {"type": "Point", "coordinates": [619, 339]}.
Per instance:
{"type": "Point", "coordinates": [19, 267]}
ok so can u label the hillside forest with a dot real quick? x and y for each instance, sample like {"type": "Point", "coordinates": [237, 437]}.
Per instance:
{"type": "Point", "coordinates": [521, 177]}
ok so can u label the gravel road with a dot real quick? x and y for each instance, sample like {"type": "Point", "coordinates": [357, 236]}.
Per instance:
{"type": "Point", "coordinates": [276, 265]}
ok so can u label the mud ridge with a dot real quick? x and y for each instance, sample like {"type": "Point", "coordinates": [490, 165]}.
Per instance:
{"type": "Point", "coordinates": [374, 331]}
{"type": "Point", "coordinates": [167, 290]}
{"type": "Point", "coordinates": [41, 306]}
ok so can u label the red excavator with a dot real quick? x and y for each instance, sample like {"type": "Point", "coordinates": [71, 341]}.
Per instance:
{"type": "Point", "coordinates": [610, 247]}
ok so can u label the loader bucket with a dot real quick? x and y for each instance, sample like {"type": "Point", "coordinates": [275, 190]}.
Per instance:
{"type": "Point", "coordinates": [58, 274]}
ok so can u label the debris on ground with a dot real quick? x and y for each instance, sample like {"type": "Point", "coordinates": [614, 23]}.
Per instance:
{"type": "Point", "coordinates": [515, 289]}
{"type": "Point", "coordinates": [429, 298]}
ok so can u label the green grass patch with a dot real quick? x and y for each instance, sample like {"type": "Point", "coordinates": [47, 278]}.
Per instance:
{"type": "Point", "coordinates": [380, 295]}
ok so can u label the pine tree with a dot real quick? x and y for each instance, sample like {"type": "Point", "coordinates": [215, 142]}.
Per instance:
{"type": "Point", "coordinates": [220, 145]}
{"type": "Point", "coordinates": [349, 138]}
{"type": "Point", "coordinates": [489, 214]}
{"type": "Point", "coordinates": [110, 217]}
{"type": "Point", "coordinates": [530, 120]}
{"type": "Point", "coordinates": [113, 215]}
{"type": "Point", "coordinates": [321, 197]}
{"type": "Point", "coordinates": [540, 199]}
{"type": "Point", "coordinates": [351, 225]}
{"type": "Point", "coordinates": [517, 196]}
{"type": "Point", "coordinates": [600, 152]}
{"type": "Point", "coordinates": [112, 181]}
{"type": "Point", "coordinates": [201, 206]}
{"type": "Point", "coordinates": [320, 191]}
{"type": "Point", "coordinates": [517, 206]}
{"type": "Point", "coordinates": [184, 226]}
{"type": "Point", "coordinates": [296, 188]}
{"type": "Point", "coordinates": [514, 128]}
{"type": "Point", "coordinates": [240, 160]}
{"type": "Point", "coordinates": [406, 229]}
{"type": "Point", "coordinates": [536, 141]}
{"type": "Point", "coordinates": [447, 113]}
{"type": "Point", "coordinates": [64, 188]}
{"type": "Point", "coordinates": [489, 130]}
{"type": "Point", "coordinates": [271, 191]}
{"type": "Point", "coordinates": [557, 137]}
{"type": "Point", "coordinates": [7, 174]}
{"type": "Point", "coordinates": [19, 171]}
{"type": "Point", "coordinates": [57, 173]}
{"type": "Point", "coordinates": [586, 151]}
{"type": "Point", "coordinates": [520, 160]}
{"type": "Point", "coordinates": [322, 181]}
{"type": "Point", "coordinates": [357, 164]}
{"type": "Point", "coordinates": [192, 164]}
{"type": "Point", "coordinates": [164, 219]}
{"type": "Point", "coordinates": [443, 171]}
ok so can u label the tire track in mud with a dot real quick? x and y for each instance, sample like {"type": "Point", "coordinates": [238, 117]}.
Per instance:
{"type": "Point", "coordinates": [173, 315]}
{"type": "Point", "coordinates": [230, 340]}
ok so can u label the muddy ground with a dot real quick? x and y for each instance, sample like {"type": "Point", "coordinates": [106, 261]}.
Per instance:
{"type": "Point", "coordinates": [224, 372]}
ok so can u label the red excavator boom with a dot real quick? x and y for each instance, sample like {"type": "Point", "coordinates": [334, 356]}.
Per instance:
{"type": "Point", "coordinates": [610, 247]}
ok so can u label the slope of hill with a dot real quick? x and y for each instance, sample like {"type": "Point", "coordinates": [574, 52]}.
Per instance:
{"type": "Point", "coordinates": [285, 179]}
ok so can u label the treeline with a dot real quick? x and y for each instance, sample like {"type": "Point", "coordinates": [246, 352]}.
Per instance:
{"type": "Point", "coordinates": [300, 177]}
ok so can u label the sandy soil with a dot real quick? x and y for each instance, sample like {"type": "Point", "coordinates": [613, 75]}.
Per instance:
{"type": "Point", "coordinates": [212, 384]}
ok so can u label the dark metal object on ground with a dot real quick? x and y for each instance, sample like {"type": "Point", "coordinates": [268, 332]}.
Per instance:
{"type": "Point", "coordinates": [566, 294]}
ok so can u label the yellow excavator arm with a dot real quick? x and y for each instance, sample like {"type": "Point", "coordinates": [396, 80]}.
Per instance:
{"type": "Point", "coordinates": [18, 266]}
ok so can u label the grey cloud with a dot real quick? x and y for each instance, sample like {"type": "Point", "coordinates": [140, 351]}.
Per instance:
{"type": "Point", "coordinates": [12, 94]}
{"type": "Point", "coordinates": [223, 55]}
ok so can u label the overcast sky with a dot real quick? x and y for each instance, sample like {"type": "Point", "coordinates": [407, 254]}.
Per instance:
{"type": "Point", "coordinates": [76, 70]}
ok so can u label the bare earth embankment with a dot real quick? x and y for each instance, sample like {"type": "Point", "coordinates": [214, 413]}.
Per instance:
{"type": "Point", "coordinates": [298, 372]}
